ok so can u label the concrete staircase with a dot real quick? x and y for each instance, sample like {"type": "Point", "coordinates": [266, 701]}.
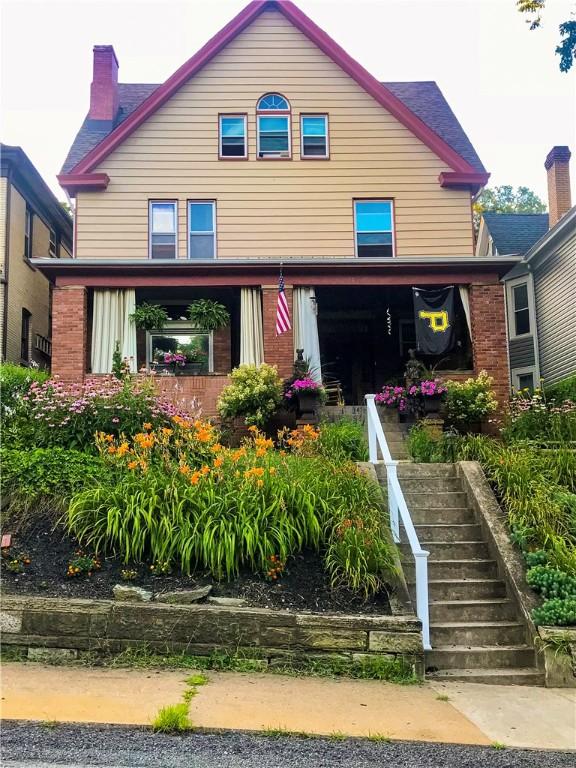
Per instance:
{"type": "Point", "coordinates": [477, 633]}
{"type": "Point", "coordinates": [395, 433]}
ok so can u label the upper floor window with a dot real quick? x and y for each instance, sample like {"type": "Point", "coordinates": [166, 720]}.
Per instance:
{"type": "Point", "coordinates": [520, 320]}
{"type": "Point", "coordinates": [232, 136]}
{"type": "Point", "coordinates": [314, 136]}
{"type": "Point", "coordinates": [52, 245]}
{"type": "Point", "coordinates": [273, 127]}
{"type": "Point", "coordinates": [374, 233]}
{"type": "Point", "coordinates": [201, 229]}
{"type": "Point", "coordinates": [162, 225]}
{"type": "Point", "coordinates": [28, 234]}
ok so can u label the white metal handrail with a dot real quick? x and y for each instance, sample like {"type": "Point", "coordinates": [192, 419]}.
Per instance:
{"type": "Point", "coordinates": [398, 510]}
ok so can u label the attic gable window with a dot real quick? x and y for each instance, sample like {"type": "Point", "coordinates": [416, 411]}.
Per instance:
{"type": "Point", "coordinates": [374, 228]}
{"type": "Point", "coordinates": [273, 127]}
{"type": "Point", "coordinates": [163, 215]}
{"type": "Point", "coordinates": [232, 133]}
{"type": "Point", "coordinates": [314, 133]}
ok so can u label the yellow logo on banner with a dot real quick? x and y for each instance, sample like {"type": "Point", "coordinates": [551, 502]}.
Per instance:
{"type": "Point", "coordinates": [438, 321]}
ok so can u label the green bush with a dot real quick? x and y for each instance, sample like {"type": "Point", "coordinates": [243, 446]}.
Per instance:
{"type": "Point", "coordinates": [557, 612]}
{"type": "Point", "coordinates": [15, 381]}
{"type": "Point", "coordinates": [534, 416]}
{"type": "Point", "coordinates": [423, 447]}
{"type": "Point", "coordinates": [255, 393]}
{"type": "Point", "coordinates": [563, 390]}
{"type": "Point", "coordinates": [551, 582]}
{"type": "Point", "coordinates": [470, 401]}
{"type": "Point", "coordinates": [344, 439]}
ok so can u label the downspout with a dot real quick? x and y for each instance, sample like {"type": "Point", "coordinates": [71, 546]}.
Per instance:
{"type": "Point", "coordinates": [6, 266]}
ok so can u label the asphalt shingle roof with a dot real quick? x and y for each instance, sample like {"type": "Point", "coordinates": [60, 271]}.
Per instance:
{"type": "Point", "coordinates": [424, 98]}
{"type": "Point", "coordinates": [515, 233]}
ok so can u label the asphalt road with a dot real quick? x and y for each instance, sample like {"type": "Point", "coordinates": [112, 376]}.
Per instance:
{"type": "Point", "coordinates": [27, 745]}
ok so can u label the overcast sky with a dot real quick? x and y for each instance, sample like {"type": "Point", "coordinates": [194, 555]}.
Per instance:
{"type": "Point", "coordinates": [501, 80]}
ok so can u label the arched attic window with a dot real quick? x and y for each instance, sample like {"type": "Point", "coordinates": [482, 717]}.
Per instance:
{"type": "Point", "coordinates": [273, 127]}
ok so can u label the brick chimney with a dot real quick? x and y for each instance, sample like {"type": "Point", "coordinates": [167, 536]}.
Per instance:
{"type": "Point", "coordinates": [104, 88]}
{"type": "Point", "coordinates": [557, 165]}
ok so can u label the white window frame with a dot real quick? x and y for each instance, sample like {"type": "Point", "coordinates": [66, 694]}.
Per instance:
{"type": "Point", "coordinates": [189, 233]}
{"type": "Point", "coordinates": [392, 220]}
{"type": "Point", "coordinates": [236, 115]}
{"type": "Point", "coordinates": [511, 312]}
{"type": "Point", "coordinates": [28, 229]}
{"type": "Point", "coordinates": [326, 155]}
{"type": "Point", "coordinates": [517, 372]}
{"type": "Point", "coordinates": [151, 204]}
{"type": "Point", "coordinates": [180, 328]}
{"type": "Point", "coordinates": [274, 155]}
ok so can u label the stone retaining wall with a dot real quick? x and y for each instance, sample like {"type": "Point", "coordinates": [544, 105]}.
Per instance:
{"type": "Point", "coordinates": [109, 627]}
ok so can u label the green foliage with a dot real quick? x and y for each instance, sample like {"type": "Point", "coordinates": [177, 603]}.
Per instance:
{"type": "Point", "coordinates": [470, 401]}
{"type": "Point", "coordinates": [149, 317]}
{"type": "Point", "coordinates": [208, 315]}
{"type": "Point", "coordinates": [551, 582]}
{"type": "Point", "coordinates": [255, 393]}
{"type": "Point", "coordinates": [423, 447]}
{"type": "Point", "coordinates": [563, 390]}
{"type": "Point", "coordinates": [342, 440]}
{"type": "Point", "coordinates": [505, 199]}
{"type": "Point", "coordinates": [532, 416]}
{"type": "Point", "coordinates": [538, 557]}
{"type": "Point", "coordinates": [567, 48]}
{"type": "Point", "coordinates": [559, 612]}
{"type": "Point", "coordinates": [172, 719]}
{"type": "Point", "coordinates": [15, 382]}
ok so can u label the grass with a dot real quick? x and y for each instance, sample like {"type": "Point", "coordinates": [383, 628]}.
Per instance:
{"type": "Point", "coordinates": [172, 719]}
{"type": "Point", "coordinates": [51, 724]}
{"type": "Point", "coordinates": [337, 736]}
{"type": "Point", "coordinates": [442, 697]}
{"type": "Point", "coordinates": [379, 738]}
{"type": "Point", "coordinates": [498, 745]}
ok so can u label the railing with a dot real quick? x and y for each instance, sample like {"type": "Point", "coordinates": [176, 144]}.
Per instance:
{"type": "Point", "coordinates": [398, 510]}
{"type": "Point", "coordinates": [43, 345]}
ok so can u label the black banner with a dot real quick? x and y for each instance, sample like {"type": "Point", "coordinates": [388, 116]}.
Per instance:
{"type": "Point", "coordinates": [434, 320]}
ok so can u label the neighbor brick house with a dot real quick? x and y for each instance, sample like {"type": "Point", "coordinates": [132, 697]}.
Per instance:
{"type": "Point", "coordinates": [272, 148]}
{"type": "Point", "coordinates": [33, 225]}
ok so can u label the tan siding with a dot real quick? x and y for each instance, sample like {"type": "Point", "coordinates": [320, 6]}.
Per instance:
{"type": "Point", "coordinates": [3, 212]}
{"type": "Point", "coordinates": [268, 209]}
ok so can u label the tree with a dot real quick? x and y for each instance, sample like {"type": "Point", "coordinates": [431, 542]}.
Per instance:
{"type": "Point", "coordinates": [567, 48]}
{"type": "Point", "coordinates": [505, 200]}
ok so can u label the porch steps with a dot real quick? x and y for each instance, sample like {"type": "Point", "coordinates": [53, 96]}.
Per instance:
{"type": "Point", "coordinates": [476, 629]}
{"type": "Point", "coordinates": [395, 434]}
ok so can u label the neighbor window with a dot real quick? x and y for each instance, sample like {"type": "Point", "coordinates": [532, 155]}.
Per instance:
{"type": "Point", "coordinates": [314, 133]}
{"type": "Point", "coordinates": [233, 136]}
{"type": "Point", "coordinates": [521, 309]}
{"type": "Point", "coordinates": [194, 346]}
{"type": "Point", "coordinates": [163, 229]}
{"type": "Point", "coordinates": [374, 228]}
{"type": "Point", "coordinates": [52, 245]}
{"type": "Point", "coordinates": [28, 234]}
{"type": "Point", "coordinates": [273, 127]}
{"type": "Point", "coordinates": [25, 336]}
{"type": "Point", "coordinates": [201, 229]}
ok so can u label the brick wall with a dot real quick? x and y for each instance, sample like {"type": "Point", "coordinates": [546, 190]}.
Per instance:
{"type": "Point", "coordinates": [69, 333]}
{"type": "Point", "coordinates": [489, 340]}
{"type": "Point", "coordinates": [183, 389]}
{"type": "Point", "coordinates": [278, 350]}
{"type": "Point", "coordinates": [222, 350]}
{"type": "Point", "coordinates": [559, 197]}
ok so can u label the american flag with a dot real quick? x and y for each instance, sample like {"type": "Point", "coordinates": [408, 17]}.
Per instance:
{"type": "Point", "coordinates": [282, 311]}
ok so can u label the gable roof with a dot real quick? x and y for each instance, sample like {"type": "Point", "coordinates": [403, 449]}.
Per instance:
{"type": "Point", "coordinates": [515, 233]}
{"type": "Point", "coordinates": [101, 147]}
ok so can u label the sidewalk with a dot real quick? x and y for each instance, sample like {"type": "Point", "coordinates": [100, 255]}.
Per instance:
{"type": "Point", "coordinates": [474, 714]}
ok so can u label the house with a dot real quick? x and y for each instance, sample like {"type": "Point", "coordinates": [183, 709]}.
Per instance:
{"type": "Point", "coordinates": [272, 150]}
{"type": "Point", "coordinates": [33, 225]}
{"type": "Point", "coordinates": [541, 288]}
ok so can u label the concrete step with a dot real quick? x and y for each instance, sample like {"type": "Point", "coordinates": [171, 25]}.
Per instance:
{"type": "Point", "coordinates": [471, 589]}
{"type": "Point", "coordinates": [453, 570]}
{"type": "Point", "coordinates": [399, 452]}
{"type": "Point", "coordinates": [498, 676]}
{"type": "Point", "coordinates": [477, 633]}
{"type": "Point", "coordinates": [456, 550]}
{"type": "Point", "coordinates": [435, 500]}
{"type": "Point", "coordinates": [484, 609]}
{"type": "Point", "coordinates": [430, 484]}
{"type": "Point", "coordinates": [448, 515]}
{"type": "Point", "coordinates": [485, 657]}
{"type": "Point", "coordinates": [427, 470]}
{"type": "Point", "coordinates": [444, 532]}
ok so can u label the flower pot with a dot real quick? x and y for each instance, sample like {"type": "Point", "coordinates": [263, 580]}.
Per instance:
{"type": "Point", "coordinates": [432, 403]}
{"type": "Point", "coordinates": [308, 402]}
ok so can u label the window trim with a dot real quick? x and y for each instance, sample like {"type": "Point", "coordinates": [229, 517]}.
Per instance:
{"type": "Point", "coordinates": [214, 232]}
{"type": "Point", "coordinates": [273, 113]}
{"type": "Point", "coordinates": [393, 220]}
{"type": "Point", "coordinates": [180, 327]}
{"type": "Point", "coordinates": [52, 239]}
{"type": "Point", "coordinates": [244, 117]}
{"type": "Point", "coordinates": [510, 307]}
{"type": "Point", "coordinates": [151, 203]}
{"type": "Point", "coordinates": [327, 121]}
{"type": "Point", "coordinates": [26, 322]}
{"type": "Point", "coordinates": [517, 372]}
{"type": "Point", "coordinates": [28, 232]}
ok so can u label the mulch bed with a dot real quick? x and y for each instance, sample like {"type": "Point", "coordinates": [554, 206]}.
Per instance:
{"type": "Point", "coordinates": [304, 585]}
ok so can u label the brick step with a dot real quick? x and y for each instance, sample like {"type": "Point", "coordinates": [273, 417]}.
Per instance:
{"type": "Point", "coordinates": [456, 550]}
{"type": "Point", "coordinates": [495, 609]}
{"type": "Point", "coordinates": [463, 570]}
{"type": "Point", "coordinates": [436, 499]}
{"type": "Point", "coordinates": [465, 590]}
{"type": "Point", "coordinates": [477, 633]}
{"type": "Point", "coordinates": [449, 532]}
{"type": "Point", "coordinates": [498, 676]}
{"type": "Point", "coordinates": [412, 470]}
{"type": "Point", "coordinates": [430, 484]}
{"type": "Point", "coordinates": [448, 515]}
{"type": "Point", "coordinates": [484, 657]}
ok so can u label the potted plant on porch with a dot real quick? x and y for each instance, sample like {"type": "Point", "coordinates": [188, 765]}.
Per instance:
{"type": "Point", "coordinates": [427, 396]}
{"type": "Point", "coordinates": [149, 317]}
{"type": "Point", "coordinates": [169, 362]}
{"type": "Point", "coordinates": [208, 315]}
{"type": "Point", "coordinates": [307, 393]}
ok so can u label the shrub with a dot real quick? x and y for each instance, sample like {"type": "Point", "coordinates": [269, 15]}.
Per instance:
{"type": "Point", "coordinates": [423, 446]}
{"type": "Point", "coordinates": [470, 401]}
{"type": "Point", "coordinates": [551, 582]}
{"type": "Point", "coordinates": [344, 439]}
{"type": "Point", "coordinates": [15, 381]}
{"type": "Point", "coordinates": [255, 393]}
{"type": "Point", "coordinates": [533, 417]}
{"type": "Point", "coordinates": [563, 390]}
{"type": "Point", "coordinates": [557, 612]}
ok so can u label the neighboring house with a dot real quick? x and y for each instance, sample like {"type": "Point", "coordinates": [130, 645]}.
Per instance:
{"type": "Point", "coordinates": [33, 225]}
{"type": "Point", "coordinates": [541, 289]}
{"type": "Point", "coordinates": [273, 149]}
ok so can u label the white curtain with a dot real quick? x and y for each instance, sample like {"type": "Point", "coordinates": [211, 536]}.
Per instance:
{"type": "Point", "coordinates": [251, 334]}
{"type": "Point", "coordinates": [306, 328]}
{"type": "Point", "coordinates": [465, 299]}
{"type": "Point", "coordinates": [110, 324]}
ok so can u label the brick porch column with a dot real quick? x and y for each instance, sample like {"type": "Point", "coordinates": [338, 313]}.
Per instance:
{"type": "Point", "coordinates": [278, 350]}
{"type": "Point", "coordinates": [489, 339]}
{"type": "Point", "coordinates": [69, 332]}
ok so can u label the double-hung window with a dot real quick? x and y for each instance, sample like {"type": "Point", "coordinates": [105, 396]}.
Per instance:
{"type": "Point", "coordinates": [163, 229]}
{"type": "Point", "coordinates": [374, 228]}
{"type": "Point", "coordinates": [314, 136]}
{"type": "Point", "coordinates": [273, 127]}
{"type": "Point", "coordinates": [520, 310]}
{"type": "Point", "coordinates": [52, 245]}
{"type": "Point", "coordinates": [28, 235]}
{"type": "Point", "coordinates": [201, 229]}
{"type": "Point", "coordinates": [233, 142]}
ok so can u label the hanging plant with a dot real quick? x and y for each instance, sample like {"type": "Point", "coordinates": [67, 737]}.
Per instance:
{"type": "Point", "coordinates": [208, 315]}
{"type": "Point", "coordinates": [149, 317]}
